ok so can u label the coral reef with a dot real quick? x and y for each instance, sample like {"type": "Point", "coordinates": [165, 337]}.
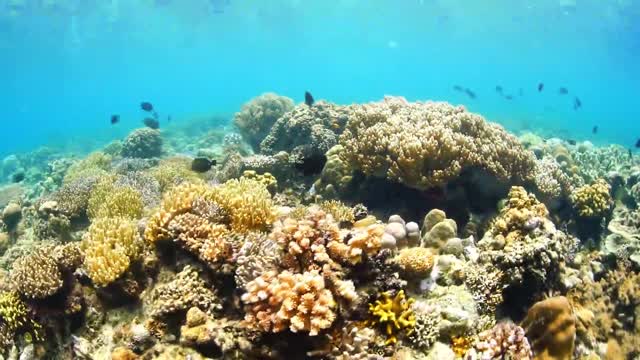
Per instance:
{"type": "Point", "coordinates": [623, 239]}
{"type": "Point", "coordinates": [423, 145]}
{"type": "Point", "coordinates": [108, 200]}
{"type": "Point", "coordinates": [255, 119]}
{"type": "Point", "coordinates": [142, 143]}
{"type": "Point", "coordinates": [36, 275]}
{"type": "Point", "coordinates": [95, 164]}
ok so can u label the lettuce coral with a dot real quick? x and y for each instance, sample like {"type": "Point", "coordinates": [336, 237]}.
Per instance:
{"type": "Point", "coordinates": [255, 119]}
{"type": "Point", "coordinates": [423, 145]}
{"type": "Point", "coordinates": [394, 314]}
{"type": "Point", "coordinates": [298, 302]}
{"type": "Point", "coordinates": [110, 246]}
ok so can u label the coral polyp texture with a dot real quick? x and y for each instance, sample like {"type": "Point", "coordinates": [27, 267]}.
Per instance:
{"type": "Point", "coordinates": [379, 231]}
{"type": "Point", "coordinates": [423, 145]}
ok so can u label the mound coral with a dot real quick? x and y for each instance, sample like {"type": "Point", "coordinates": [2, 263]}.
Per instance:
{"type": "Point", "coordinates": [174, 171]}
{"type": "Point", "coordinates": [437, 230]}
{"type": "Point", "coordinates": [72, 199]}
{"type": "Point", "coordinates": [298, 302]}
{"type": "Point", "coordinates": [394, 314]}
{"type": "Point", "coordinates": [592, 201]}
{"type": "Point", "coordinates": [424, 145]}
{"type": "Point", "coordinates": [504, 341]}
{"type": "Point", "coordinates": [110, 246]}
{"type": "Point", "coordinates": [37, 275]}
{"type": "Point", "coordinates": [336, 174]}
{"type": "Point", "coordinates": [185, 291]}
{"type": "Point", "coordinates": [550, 327]}
{"type": "Point", "coordinates": [551, 181]}
{"type": "Point", "coordinates": [142, 143]}
{"type": "Point", "coordinates": [266, 179]}
{"type": "Point", "coordinates": [255, 119]}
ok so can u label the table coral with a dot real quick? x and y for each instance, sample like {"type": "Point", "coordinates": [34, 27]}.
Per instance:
{"type": "Point", "coordinates": [110, 245]}
{"type": "Point", "coordinates": [255, 119]}
{"type": "Point", "coordinates": [550, 327]}
{"type": "Point", "coordinates": [37, 275]}
{"type": "Point", "coordinates": [394, 314]}
{"type": "Point", "coordinates": [423, 145]}
{"type": "Point", "coordinates": [592, 201]}
{"type": "Point", "coordinates": [298, 302]}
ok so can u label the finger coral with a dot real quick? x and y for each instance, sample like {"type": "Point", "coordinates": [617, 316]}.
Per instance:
{"type": "Point", "coordinates": [394, 314]}
{"type": "Point", "coordinates": [36, 275]}
{"type": "Point", "coordinates": [255, 119]}
{"type": "Point", "coordinates": [298, 302]}
{"type": "Point", "coordinates": [550, 327]}
{"type": "Point", "coordinates": [110, 245]}
{"type": "Point", "coordinates": [592, 201]}
{"type": "Point", "coordinates": [424, 145]}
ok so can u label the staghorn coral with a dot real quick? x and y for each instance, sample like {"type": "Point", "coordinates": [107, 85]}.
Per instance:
{"type": "Point", "coordinates": [185, 291]}
{"type": "Point", "coordinates": [36, 275]}
{"type": "Point", "coordinates": [94, 164]}
{"type": "Point", "coordinates": [592, 201]}
{"type": "Point", "coordinates": [306, 131]}
{"type": "Point", "coordinates": [298, 302]}
{"type": "Point", "coordinates": [359, 243]}
{"type": "Point", "coordinates": [504, 341]}
{"type": "Point", "coordinates": [108, 200]}
{"type": "Point", "coordinates": [110, 246]}
{"type": "Point", "coordinates": [416, 262]}
{"type": "Point", "coordinates": [423, 145]}
{"type": "Point", "coordinates": [255, 119]}
{"type": "Point", "coordinates": [394, 314]}
{"type": "Point", "coordinates": [550, 327]}
{"type": "Point", "coordinates": [142, 143]}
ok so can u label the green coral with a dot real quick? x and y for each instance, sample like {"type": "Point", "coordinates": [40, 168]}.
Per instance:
{"type": "Point", "coordinates": [394, 314]}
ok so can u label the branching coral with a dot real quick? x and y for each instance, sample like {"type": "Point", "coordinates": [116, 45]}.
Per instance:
{"type": "Point", "coordinates": [144, 184]}
{"type": "Point", "coordinates": [423, 145]}
{"type": "Point", "coordinates": [269, 181]}
{"type": "Point", "coordinates": [354, 341]}
{"type": "Point", "coordinates": [142, 143]}
{"type": "Point", "coordinates": [36, 275]}
{"type": "Point", "coordinates": [174, 171]}
{"type": "Point", "coordinates": [298, 302]}
{"type": "Point", "coordinates": [504, 341]}
{"type": "Point", "coordinates": [72, 199]}
{"type": "Point", "coordinates": [552, 182]}
{"type": "Point", "coordinates": [110, 245]}
{"type": "Point", "coordinates": [247, 202]}
{"type": "Point", "coordinates": [257, 255]}
{"type": "Point", "coordinates": [255, 119]}
{"type": "Point", "coordinates": [394, 314]}
{"type": "Point", "coordinates": [426, 330]}
{"type": "Point", "coordinates": [592, 201]}
{"type": "Point", "coordinates": [339, 211]}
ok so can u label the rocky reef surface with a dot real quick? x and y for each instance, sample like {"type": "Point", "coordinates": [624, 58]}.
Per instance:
{"type": "Point", "coordinates": [387, 230]}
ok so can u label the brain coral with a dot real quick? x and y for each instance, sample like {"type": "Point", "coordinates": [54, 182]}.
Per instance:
{"type": "Point", "coordinates": [142, 143]}
{"type": "Point", "coordinates": [423, 145]}
{"type": "Point", "coordinates": [110, 245]}
{"type": "Point", "coordinates": [258, 115]}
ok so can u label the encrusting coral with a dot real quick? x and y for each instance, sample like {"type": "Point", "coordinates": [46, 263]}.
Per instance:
{"type": "Point", "coordinates": [110, 246]}
{"type": "Point", "coordinates": [255, 119]}
{"type": "Point", "coordinates": [592, 201]}
{"type": "Point", "coordinates": [394, 314]}
{"type": "Point", "coordinates": [298, 302]}
{"type": "Point", "coordinates": [424, 145]}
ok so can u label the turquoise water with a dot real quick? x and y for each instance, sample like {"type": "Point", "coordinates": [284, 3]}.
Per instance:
{"type": "Point", "coordinates": [66, 66]}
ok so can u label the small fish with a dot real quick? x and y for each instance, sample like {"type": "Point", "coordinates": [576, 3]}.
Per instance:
{"type": "Point", "coordinates": [563, 91]}
{"type": "Point", "coordinates": [470, 93]}
{"type": "Point", "coordinates": [594, 130]}
{"type": "Point", "coordinates": [308, 98]}
{"type": "Point", "coordinates": [577, 104]}
{"type": "Point", "coordinates": [202, 164]}
{"type": "Point", "coordinates": [115, 119]}
{"type": "Point", "coordinates": [638, 143]}
{"type": "Point", "coordinates": [509, 97]}
{"type": "Point", "coordinates": [458, 88]}
{"type": "Point", "coordinates": [151, 123]}
{"type": "Point", "coordinates": [17, 177]}
{"type": "Point", "coordinates": [571, 142]}
{"type": "Point", "coordinates": [499, 89]}
{"type": "Point", "coordinates": [540, 87]}
{"type": "Point", "coordinates": [146, 106]}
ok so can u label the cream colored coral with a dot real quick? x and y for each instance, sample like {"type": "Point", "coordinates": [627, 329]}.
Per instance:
{"type": "Point", "coordinates": [520, 209]}
{"type": "Point", "coordinates": [298, 302]}
{"type": "Point", "coordinates": [592, 200]}
{"type": "Point", "coordinates": [423, 145]}
{"type": "Point", "coordinates": [110, 245]}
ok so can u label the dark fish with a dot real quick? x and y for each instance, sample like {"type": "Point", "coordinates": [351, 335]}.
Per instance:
{"type": "Point", "coordinates": [202, 164]}
{"type": "Point", "coordinates": [563, 91]}
{"type": "Point", "coordinates": [146, 106]}
{"type": "Point", "coordinates": [571, 142]}
{"type": "Point", "coordinates": [594, 130]}
{"type": "Point", "coordinates": [115, 119]}
{"type": "Point", "coordinates": [499, 89]}
{"type": "Point", "coordinates": [312, 165]}
{"type": "Point", "coordinates": [470, 93]}
{"type": "Point", "coordinates": [577, 104]}
{"type": "Point", "coordinates": [308, 98]}
{"type": "Point", "coordinates": [509, 97]}
{"type": "Point", "coordinates": [458, 88]}
{"type": "Point", "coordinates": [540, 87]}
{"type": "Point", "coordinates": [151, 123]}
{"type": "Point", "coordinates": [17, 177]}
{"type": "Point", "coordinates": [638, 143]}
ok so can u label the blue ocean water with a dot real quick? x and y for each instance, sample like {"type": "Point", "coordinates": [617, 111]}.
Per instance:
{"type": "Point", "coordinates": [66, 66]}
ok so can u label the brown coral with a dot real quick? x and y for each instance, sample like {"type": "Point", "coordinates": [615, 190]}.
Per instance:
{"type": "Point", "coordinates": [298, 302]}
{"type": "Point", "coordinates": [187, 290]}
{"type": "Point", "coordinates": [550, 327]}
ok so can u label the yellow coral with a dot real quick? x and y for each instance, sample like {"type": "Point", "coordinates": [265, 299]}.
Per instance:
{"type": "Point", "coordinates": [14, 316]}
{"type": "Point", "coordinates": [361, 241]}
{"type": "Point", "coordinates": [416, 261]}
{"type": "Point", "coordinates": [110, 245]}
{"type": "Point", "coordinates": [248, 203]}
{"type": "Point", "coordinates": [395, 314]}
{"type": "Point", "coordinates": [109, 201]}
{"type": "Point", "coordinates": [269, 181]}
{"type": "Point", "coordinates": [339, 211]}
{"type": "Point", "coordinates": [460, 345]}
{"type": "Point", "coordinates": [521, 207]}
{"type": "Point", "coordinates": [592, 201]}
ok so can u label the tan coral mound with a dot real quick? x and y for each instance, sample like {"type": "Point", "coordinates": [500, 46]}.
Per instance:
{"type": "Point", "coordinates": [550, 327]}
{"type": "Point", "coordinates": [514, 218]}
{"type": "Point", "coordinates": [423, 145]}
{"type": "Point", "coordinates": [298, 302]}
